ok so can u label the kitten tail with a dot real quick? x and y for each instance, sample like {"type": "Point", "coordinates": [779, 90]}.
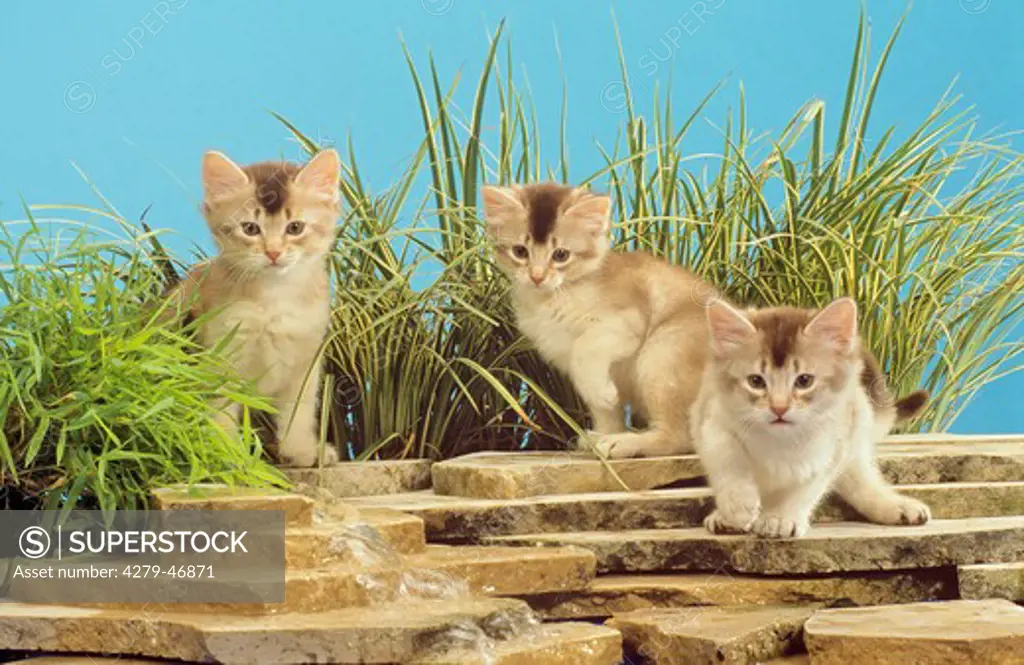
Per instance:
{"type": "Point", "coordinates": [911, 405]}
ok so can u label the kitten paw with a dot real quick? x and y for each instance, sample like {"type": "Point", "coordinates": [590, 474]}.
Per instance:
{"type": "Point", "coordinates": [307, 455]}
{"type": "Point", "coordinates": [718, 524]}
{"type": "Point", "coordinates": [611, 446]}
{"type": "Point", "coordinates": [913, 512]}
{"type": "Point", "coordinates": [773, 526]}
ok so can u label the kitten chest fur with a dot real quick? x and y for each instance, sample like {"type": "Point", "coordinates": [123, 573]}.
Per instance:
{"type": "Point", "coordinates": [556, 322]}
{"type": "Point", "coordinates": [279, 326]}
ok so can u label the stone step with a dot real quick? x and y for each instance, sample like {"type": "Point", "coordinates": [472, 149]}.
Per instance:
{"type": "Point", "coordinates": [828, 548]}
{"type": "Point", "coordinates": [436, 573]}
{"type": "Point", "coordinates": [298, 509]}
{"type": "Point", "coordinates": [517, 475]}
{"type": "Point", "coordinates": [392, 633]}
{"type": "Point", "coordinates": [460, 519]}
{"type": "Point", "coordinates": [363, 537]}
{"type": "Point", "coordinates": [349, 479]}
{"type": "Point", "coordinates": [986, 632]}
{"type": "Point", "coordinates": [617, 594]}
{"type": "Point", "coordinates": [993, 580]}
{"type": "Point", "coordinates": [734, 635]}
{"type": "Point", "coordinates": [558, 644]}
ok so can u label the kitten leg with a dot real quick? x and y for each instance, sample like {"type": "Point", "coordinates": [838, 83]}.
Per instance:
{"type": "Point", "coordinates": [787, 513]}
{"type": "Point", "coordinates": [225, 415]}
{"type": "Point", "coordinates": [590, 368]}
{"type": "Point", "coordinates": [296, 422]}
{"type": "Point", "coordinates": [737, 501]}
{"type": "Point", "coordinates": [861, 485]}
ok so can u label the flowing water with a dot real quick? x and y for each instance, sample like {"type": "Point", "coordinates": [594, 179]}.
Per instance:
{"type": "Point", "coordinates": [388, 578]}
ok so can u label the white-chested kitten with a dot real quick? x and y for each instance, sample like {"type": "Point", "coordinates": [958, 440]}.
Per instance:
{"type": "Point", "coordinates": [274, 224]}
{"type": "Point", "coordinates": [628, 328]}
{"type": "Point", "coordinates": [792, 406]}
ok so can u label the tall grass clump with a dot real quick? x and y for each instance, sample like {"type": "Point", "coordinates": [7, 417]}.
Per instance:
{"type": "Point", "coordinates": [98, 402]}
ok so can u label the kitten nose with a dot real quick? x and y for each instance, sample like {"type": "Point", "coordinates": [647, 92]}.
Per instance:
{"type": "Point", "coordinates": [536, 276]}
{"type": "Point", "coordinates": [779, 411]}
{"type": "Point", "coordinates": [272, 255]}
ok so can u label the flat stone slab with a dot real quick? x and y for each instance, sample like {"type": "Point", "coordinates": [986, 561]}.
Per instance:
{"type": "Point", "coordinates": [986, 632]}
{"type": "Point", "coordinates": [518, 475]}
{"type": "Point", "coordinates": [616, 594]}
{"type": "Point", "coordinates": [392, 633]}
{"type": "Point", "coordinates": [298, 509]}
{"type": "Point", "coordinates": [438, 572]}
{"type": "Point", "coordinates": [993, 580]}
{"type": "Point", "coordinates": [349, 479]}
{"type": "Point", "coordinates": [372, 534]}
{"type": "Point", "coordinates": [460, 519]}
{"type": "Point", "coordinates": [713, 635]}
{"type": "Point", "coordinates": [561, 644]}
{"type": "Point", "coordinates": [511, 571]}
{"type": "Point", "coordinates": [828, 548]}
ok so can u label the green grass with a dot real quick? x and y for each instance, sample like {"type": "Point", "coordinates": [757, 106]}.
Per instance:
{"type": "Point", "coordinates": [921, 226]}
{"type": "Point", "coordinates": [97, 401]}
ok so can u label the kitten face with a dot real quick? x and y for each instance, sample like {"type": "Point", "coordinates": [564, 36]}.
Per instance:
{"type": "Point", "coordinates": [269, 217]}
{"type": "Point", "coordinates": [546, 235]}
{"type": "Point", "coordinates": [785, 367]}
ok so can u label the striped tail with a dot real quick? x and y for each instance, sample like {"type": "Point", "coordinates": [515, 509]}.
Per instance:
{"type": "Point", "coordinates": [911, 405]}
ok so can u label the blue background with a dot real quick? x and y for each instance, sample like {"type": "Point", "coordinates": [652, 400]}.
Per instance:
{"type": "Point", "coordinates": [135, 91]}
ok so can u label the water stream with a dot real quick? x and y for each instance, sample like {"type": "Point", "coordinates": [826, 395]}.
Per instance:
{"type": "Point", "coordinates": [389, 577]}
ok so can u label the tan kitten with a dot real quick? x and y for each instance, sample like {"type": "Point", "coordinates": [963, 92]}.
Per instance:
{"type": "Point", "coordinates": [627, 328]}
{"type": "Point", "coordinates": [791, 406]}
{"type": "Point", "coordinates": [274, 224]}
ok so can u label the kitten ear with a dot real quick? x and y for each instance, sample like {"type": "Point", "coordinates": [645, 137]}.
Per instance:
{"type": "Point", "coordinates": [322, 173]}
{"type": "Point", "coordinates": [592, 210]}
{"type": "Point", "coordinates": [221, 175]}
{"type": "Point", "coordinates": [837, 324]}
{"type": "Point", "coordinates": [500, 203]}
{"type": "Point", "coordinates": [729, 327]}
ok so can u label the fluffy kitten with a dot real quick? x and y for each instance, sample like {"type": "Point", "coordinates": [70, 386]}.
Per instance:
{"type": "Point", "coordinates": [274, 224]}
{"type": "Point", "coordinates": [627, 328]}
{"type": "Point", "coordinates": [791, 406]}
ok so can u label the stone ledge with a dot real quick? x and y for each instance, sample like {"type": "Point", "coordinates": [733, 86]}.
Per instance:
{"type": "Point", "coordinates": [519, 475]}
{"type": "Point", "coordinates": [393, 633]}
{"type": "Point", "coordinates": [371, 534]}
{"type": "Point", "coordinates": [994, 580]}
{"type": "Point", "coordinates": [458, 519]}
{"type": "Point", "coordinates": [298, 509]}
{"type": "Point", "coordinates": [828, 548]}
{"type": "Point", "coordinates": [348, 479]}
{"type": "Point", "coordinates": [561, 644]}
{"type": "Point", "coordinates": [617, 594]}
{"type": "Point", "coordinates": [954, 632]}
{"type": "Point", "coordinates": [733, 635]}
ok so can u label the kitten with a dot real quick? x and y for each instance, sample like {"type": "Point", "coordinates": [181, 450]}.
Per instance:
{"type": "Point", "coordinates": [628, 328]}
{"type": "Point", "coordinates": [791, 406]}
{"type": "Point", "coordinates": [274, 224]}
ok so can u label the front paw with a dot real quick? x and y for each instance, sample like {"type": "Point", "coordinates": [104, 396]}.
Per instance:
{"type": "Point", "coordinates": [913, 511]}
{"type": "Point", "coordinates": [774, 526]}
{"type": "Point", "coordinates": [910, 512]}
{"type": "Point", "coordinates": [306, 453]}
{"type": "Point", "coordinates": [717, 523]}
{"type": "Point", "coordinates": [615, 446]}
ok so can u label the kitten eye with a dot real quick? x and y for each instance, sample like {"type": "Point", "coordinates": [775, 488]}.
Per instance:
{"type": "Point", "coordinates": [560, 255]}
{"type": "Point", "coordinates": [295, 228]}
{"type": "Point", "coordinates": [804, 381]}
{"type": "Point", "coordinates": [520, 251]}
{"type": "Point", "coordinates": [250, 228]}
{"type": "Point", "coordinates": [756, 381]}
